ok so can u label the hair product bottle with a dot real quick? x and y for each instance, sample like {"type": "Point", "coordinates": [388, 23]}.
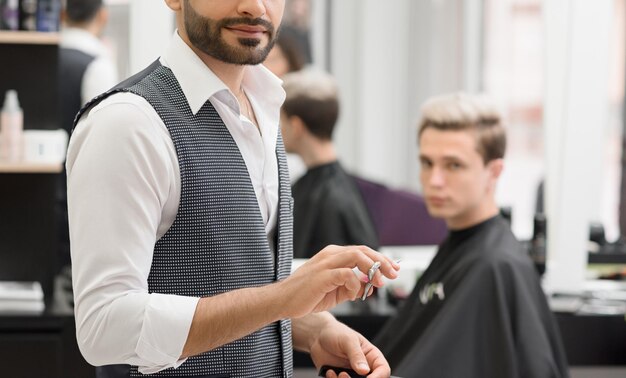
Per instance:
{"type": "Point", "coordinates": [48, 15]}
{"type": "Point", "coordinates": [28, 15]}
{"type": "Point", "coordinates": [9, 14]}
{"type": "Point", "coordinates": [11, 128]}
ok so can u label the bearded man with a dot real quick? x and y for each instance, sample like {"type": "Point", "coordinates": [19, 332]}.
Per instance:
{"type": "Point", "coordinates": [181, 217]}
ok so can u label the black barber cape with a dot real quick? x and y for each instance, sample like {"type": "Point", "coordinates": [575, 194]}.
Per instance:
{"type": "Point", "coordinates": [329, 209]}
{"type": "Point", "coordinates": [477, 311]}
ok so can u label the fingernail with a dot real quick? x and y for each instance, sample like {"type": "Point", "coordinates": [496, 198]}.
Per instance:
{"type": "Point", "coordinates": [365, 279]}
{"type": "Point", "coordinates": [363, 365]}
{"type": "Point", "coordinates": [397, 264]}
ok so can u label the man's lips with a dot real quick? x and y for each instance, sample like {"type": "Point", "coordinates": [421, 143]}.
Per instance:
{"type": "Point", "coordinates": [436, 200]}
{"type": "Point", "coordinates": [247, 29]}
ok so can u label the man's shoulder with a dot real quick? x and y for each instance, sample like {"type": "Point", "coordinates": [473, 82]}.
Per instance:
{"type": "Point", "coordinates": [141, 76]}
{"type": "Point", "coordinates": [79, 39]}
{"type": "Point", "coordinates": [130, 102]}
{"type": "Point", "coordinates": [497, 249]}
{"type": "Point", "coordinates": [124, 115]}
{"type": "Point", "coordinates": [504, 251]}
{"type": "Point", "coordinates": [506, 263]}
{"type": "Point", "coordinates": [311, 180]}
{"type": "Point", "coordinates": [122, 94]}
{"type": "Point", "coordinates": [70, 54]}
{"type": "Point", "coordinates": [340, 191]}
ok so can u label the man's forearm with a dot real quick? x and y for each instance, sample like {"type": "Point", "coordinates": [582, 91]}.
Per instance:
{"type": "Point", "coordinates": [326, 280]}
{"type": "Point", "coordinates": [230, 316]}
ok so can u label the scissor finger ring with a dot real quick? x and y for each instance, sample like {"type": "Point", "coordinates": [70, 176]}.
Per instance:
{"type": "Point", "coordinates": [370, 277]}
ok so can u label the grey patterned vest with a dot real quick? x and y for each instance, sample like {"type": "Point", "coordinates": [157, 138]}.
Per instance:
{"type": "Point", "coordinates": [217, 242]}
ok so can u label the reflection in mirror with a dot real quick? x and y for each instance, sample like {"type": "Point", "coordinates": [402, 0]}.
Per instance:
{"type": "Point", "coordinates": [135, 32]}
{"type": "Point", "coordinates": [514, 42]}
{"type": "Point", "coordinates": [513, 77]}
{"type": "Point", "coordinates": [297, 24]}
{"type": "Point", "coordinates": [116, 35]}
{"type": "Point", "coordinates": [614, 152]}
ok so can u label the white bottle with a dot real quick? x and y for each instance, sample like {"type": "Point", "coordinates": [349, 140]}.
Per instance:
{"type": "Point", "coordinates": [11, 128]}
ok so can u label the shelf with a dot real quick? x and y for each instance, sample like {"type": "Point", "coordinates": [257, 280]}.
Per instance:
{"type": "Point", "coordinates": [30, 167]}
{"type": "Point", "coordinates": [31, 38]}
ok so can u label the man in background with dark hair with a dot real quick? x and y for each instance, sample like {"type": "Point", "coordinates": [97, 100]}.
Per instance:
{"type": "Point", "coordinates": [85, 67]}
{"type": "Point", "coordinates": [85, 70]}
{"type": "Point", "coordinates": [328, 207]}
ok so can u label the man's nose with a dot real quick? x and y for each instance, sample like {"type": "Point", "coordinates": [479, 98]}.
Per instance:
{"type": "Point", "coordinates": [252, 8]}
{"type": "Point", "coordinates": [436, 177]}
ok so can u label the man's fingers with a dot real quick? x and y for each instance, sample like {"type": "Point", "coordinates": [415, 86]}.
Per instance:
{"type": "Point", "coordinates": [388, 267]}
{"type": "Point", "coordinates": [357, 358]}
{"type": "Point", "coordinates": [361, 257]}
{"type": "Point", "coordinates": [345, 277]}
{"type": "Point", "coordinates": [378, 364]}
{"type": "Point", "coordinates": [380, 372]}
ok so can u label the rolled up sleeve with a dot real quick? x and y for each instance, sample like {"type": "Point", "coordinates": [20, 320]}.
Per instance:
{"type": "Point", "coordinates": [123, 193]}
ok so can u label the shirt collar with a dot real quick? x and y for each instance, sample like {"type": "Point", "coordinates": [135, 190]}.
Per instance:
{"type": "Point", "coordinates": [199, 83]}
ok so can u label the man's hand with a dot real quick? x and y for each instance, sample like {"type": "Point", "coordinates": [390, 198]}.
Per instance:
{"type": "Point", "coordinates": [338, 345]}
{"type": "Point", "coordinates": [327, 279]}
{"type": "Point", "coordinates": [323, 282]}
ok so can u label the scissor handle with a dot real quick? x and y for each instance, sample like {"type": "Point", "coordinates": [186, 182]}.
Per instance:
{"type": "Point", "coordinates": [373, 269]}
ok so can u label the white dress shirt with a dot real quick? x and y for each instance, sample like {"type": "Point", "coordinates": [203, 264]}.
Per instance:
{"type": "Point", "coordinates": [101, 74]}
{"type": "Point", "coordinates": [123, 195]}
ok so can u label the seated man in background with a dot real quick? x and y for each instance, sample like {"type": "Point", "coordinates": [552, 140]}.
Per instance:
{"type": "Point", "coordinates": [478, 310]}
{"type": "Point", "coordinates": [328, 207]}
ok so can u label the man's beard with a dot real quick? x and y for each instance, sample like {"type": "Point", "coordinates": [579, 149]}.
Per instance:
{"type": "Point", "coordinates": [206, 35]}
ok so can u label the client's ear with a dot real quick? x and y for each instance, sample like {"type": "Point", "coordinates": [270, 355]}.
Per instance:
{"type": "Point", "coordinates": [298, 128]}
{"type": "Point", "coordinates": [495, 168]}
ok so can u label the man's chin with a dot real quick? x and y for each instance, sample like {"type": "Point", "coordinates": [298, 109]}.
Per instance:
{"type": "Point", "coordinates": [437, 212]}
{"type": "Point", "coordinates": [250, 55]}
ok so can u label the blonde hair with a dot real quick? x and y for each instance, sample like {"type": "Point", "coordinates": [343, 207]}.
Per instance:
{"type": "Point", "coordinates": [460, 112]}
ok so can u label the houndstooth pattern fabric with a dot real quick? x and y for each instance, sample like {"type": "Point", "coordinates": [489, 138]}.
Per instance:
{"type": "Point", "coordinates": [217, 242]}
